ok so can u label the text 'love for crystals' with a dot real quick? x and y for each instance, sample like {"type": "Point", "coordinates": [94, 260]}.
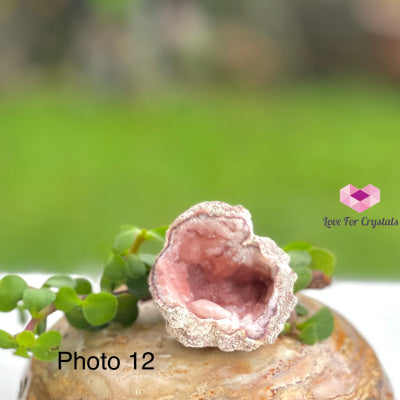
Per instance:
{"type": "Point", "coordinates": [364, 221]}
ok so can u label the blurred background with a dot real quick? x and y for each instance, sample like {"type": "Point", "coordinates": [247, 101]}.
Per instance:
{"type": "Point", "coordinates": [129, 112]}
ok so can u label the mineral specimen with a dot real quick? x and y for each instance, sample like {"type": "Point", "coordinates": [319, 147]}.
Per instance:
{"type": "Point", "coordinates": [217, 284]}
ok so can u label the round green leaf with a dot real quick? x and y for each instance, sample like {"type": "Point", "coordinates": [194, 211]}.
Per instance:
{"type": "Point", "coordinates": [148, 259]}
{"type": "Point", "coordinates": [322, 260]}
{"type": "Point", "coordinates": [115, 269]}
{"type": "Point", "coordinates": [49, 340]}
{"type": "Point", "coordinates": [47, 346]}
{"type": "Point", "coordinates": [106, 285]}
{"type": "Point", "coordinates": [136, 268]}
{"type": "Point", "coordinates": [156, 234]}
{"type": "Point", "coordinates": [161, 230]}
{"type": "Point", "coordinates": [35, 300]}
{"type": "Point", "coordinates": [301, 310]}
{"type": "Point", "coordinates": [127, 309]}
{"type": "Point", "coordinates": [125, 239]}
{"type": "Point", "coordinates": [83, 286]}
{"type": "Point", "coordinates": [319, 327]}
{"type": "Point", "coordinates": [22, 352]}
{"type": "Point", "coordinates": [309, 334]}
{"type": "Point", "coordinates": [59, 281]}
{"type": "Point", "coordinates": [299, 258]}
{"type": "Point", "coordinates": [67, 299]}
{"type": "Point", "coordinates": [23, 315]}
{"type": "Point", "coordinates": [304, 277]}
{"type": "Point", "coordinates": [99, 308]}
{"type": "Point", "coordinates": [139, 287]}
{"type": "Point", "coordinates": [12, 288]}
{"type": "Point", "coordinates": [76, 318]}
{"type": "Point", "coordinates": [7, 341]}
{"type": "Point", "coordinates": [26, 339]}
{"type": "Point", "coordinates": [287, 328]}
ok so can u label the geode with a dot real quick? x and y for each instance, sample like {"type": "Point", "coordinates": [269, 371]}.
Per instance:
{"type": "Point", "coordinates": [217, 284]}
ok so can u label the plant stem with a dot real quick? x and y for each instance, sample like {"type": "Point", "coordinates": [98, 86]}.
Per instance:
{"type": "Point", "coordinates": [44, 314]}
{"type": "Point", "coordinates": [138, 241]}
{"type": "Point", "coordinates": [32, 324]}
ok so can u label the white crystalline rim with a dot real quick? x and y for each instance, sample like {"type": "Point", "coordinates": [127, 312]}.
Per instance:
{"type": "Point", "coordinates": [193, 331]}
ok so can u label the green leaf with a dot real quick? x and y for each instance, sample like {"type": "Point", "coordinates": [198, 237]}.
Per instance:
{"type": "Point", "coordinates": [22, 352]}
{"type": "Point", "coordinates": [76, 318]}
{"type": "Point", "coordinates": [23, 315]}
{"type": "Point", "coordinates": [106, 285]}
{"type": "Point", "coordinates": [26, 339]}
{"type": "Point", "coordinates": [67, 299]}
{"type": "Point", "coordinates": [309, 334]}
{"type": "Point", "coordinates": [298, 246]}
{"type": "Point", "coordinates": [319, 327]}
{"type": "Point", "coordinates": [47, 346]}
{"type": "Point", "coordinates": [148, 259]}
{"type": "Point", "coordinates": [127, 309]}
{"type": "Point", "coordinates": [301, 310]}
{"type": "Point", "coordinates": [35, 300]}
{"type": "Point", "coordinates": [83, 286]}
{"type": "Point", "coordinates": [299, 258]}
{"type": "Point", "coordinates": [7, 341]}
{"type": "Point", "coordinates": [115, 269]}
{"type": "Point", "coordinates": [304, 277]}
{"type": "Point", "coordinates": [12, 288]}
{"type": "Point", "coordinates": [125, 239]}
{"type": "Point", "coordinates": [161, 230]}
{"type": "Point", "coordinates": [59, 281]}
{"type": "Point", "coordinates": [286, 328]}
{"type": "Point", "coordinates": [99, 308]}
{"type": "Point", "coordinates": [323, 260]}
{"type": "Point", "coordinates": [157, 233]}
{"type": "Point", "coordinates": [139, 287]}
{"type": "Point", "coordinates": [135, 266]}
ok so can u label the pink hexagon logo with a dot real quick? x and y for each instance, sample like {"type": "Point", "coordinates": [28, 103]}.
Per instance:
{"type": "Point", "coordinates": [360, 199]}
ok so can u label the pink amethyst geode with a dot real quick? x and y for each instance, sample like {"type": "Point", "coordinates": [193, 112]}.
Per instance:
{"type": "Point", "coordinates": [217, 284]}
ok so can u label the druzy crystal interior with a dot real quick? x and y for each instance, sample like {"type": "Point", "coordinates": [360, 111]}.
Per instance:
{"type": "Point", "coordinates": [218, 284]}
{"type": "Point", "coordinates": [214, 276]}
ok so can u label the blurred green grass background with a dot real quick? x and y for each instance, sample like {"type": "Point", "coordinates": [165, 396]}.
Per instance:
{"type": "Point", "coordinates": [75, 165]}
